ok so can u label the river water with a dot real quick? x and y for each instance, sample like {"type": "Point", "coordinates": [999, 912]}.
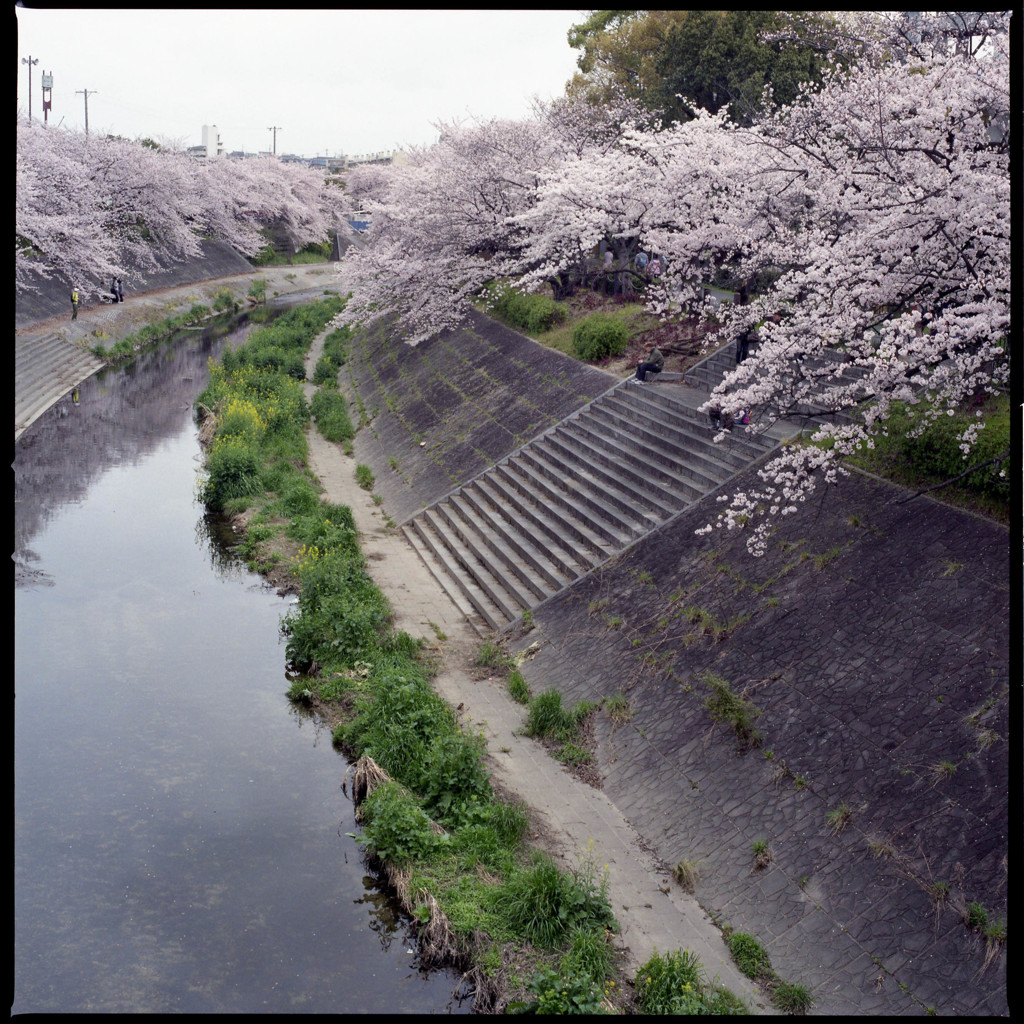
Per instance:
{"type": "Point", "coordinates": [180, 828]}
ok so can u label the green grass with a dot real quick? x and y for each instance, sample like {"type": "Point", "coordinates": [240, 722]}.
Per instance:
{"type": "Point", "coordinates": [330, 412]}
{"type": "Point", "coordinates": [547, 719]}
{"type": "Point", "coordinates": [365, 477]}
{"type": "Point", "coordinates": [935, 456]}
{"type": "Point", "coordinates": [749, 955]}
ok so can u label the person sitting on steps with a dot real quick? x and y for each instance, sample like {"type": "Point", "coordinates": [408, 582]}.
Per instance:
{"type": "Point", "coordinates": [652, 364]}
{"type": "Point", "coordinates": [720, 420]}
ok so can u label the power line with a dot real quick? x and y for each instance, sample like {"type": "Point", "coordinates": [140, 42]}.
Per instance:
{"type": "Point", "coordinates": [275, 129]}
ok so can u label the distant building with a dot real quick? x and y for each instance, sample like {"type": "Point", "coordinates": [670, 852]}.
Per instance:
{"type": "Point", "coordinates": [211, 147]}
{"type": "Point", "coordinates": [382, 157]}
{"type": "Point", "coordinates": [211, 140]}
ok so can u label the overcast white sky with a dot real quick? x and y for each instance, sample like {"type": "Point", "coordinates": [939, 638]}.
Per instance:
{"type": "Point", "coordinates": [334, 82]}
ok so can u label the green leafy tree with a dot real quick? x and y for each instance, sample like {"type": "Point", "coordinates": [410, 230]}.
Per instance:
{"type": "Point", "coordinates": [719, 57]}
{"type": "Point", "coordinates": [709, 58]}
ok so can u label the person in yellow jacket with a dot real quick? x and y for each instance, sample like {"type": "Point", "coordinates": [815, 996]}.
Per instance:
{"type": "Point", "coordinates": [74, 303]}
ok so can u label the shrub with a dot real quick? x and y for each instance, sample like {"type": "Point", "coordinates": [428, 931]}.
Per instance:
{"type": "Point", "coordinates": [396, 828]}
{"type": "Point", "coordinates": [325, 372]}
{"type": "Point", "coordinates": [232, 470]}
{"type": "Point", "coordinates": [936, 455]}
{"type": "Point", "coordinates": [532, 313]}
{"type": "Point", "coordinates": [453, 783]}
{"type": "Point", "coordinates": [598, 336]}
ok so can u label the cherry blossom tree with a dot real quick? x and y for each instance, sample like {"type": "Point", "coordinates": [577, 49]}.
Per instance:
{"type": "Point", "coordinates": [89, 207]}
{"type": "Point", "coordinates": [873, 211]}
{"type": "Point", "coordinates": [448, 221]}
{"type": "Point", "coordinates": [442, 225]}
{"type": "Point", "coordinates": [883, 202]}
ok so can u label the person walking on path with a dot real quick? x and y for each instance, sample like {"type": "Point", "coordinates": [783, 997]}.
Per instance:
{"type": "Point", "coordinates": [120, 291]}
{"type": "Point", "coordinates": [652, 364]}
{"type": "Point", "coordinates": [74, 303]}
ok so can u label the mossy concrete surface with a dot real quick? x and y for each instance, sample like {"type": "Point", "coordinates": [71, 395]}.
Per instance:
{"type": "Point", "coordinates": [441, 412]}
{"type": "Point", "coordinates": [870, 646]}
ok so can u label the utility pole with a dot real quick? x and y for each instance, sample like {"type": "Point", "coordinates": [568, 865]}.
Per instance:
{"type": "Point", "coordinates": [29, 61]}
{"type": "Point", "coordinates": [79, 92]}
{"type": "Point", "coordinates": [275, 129]}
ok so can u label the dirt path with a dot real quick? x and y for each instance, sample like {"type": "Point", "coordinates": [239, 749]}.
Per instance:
{"type": "Point", "coordinates": [654, 914]}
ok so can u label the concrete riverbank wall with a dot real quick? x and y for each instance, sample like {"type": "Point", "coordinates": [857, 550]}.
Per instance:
{"type": "Point", "coordinates": [843, 701]}
{"type": "Point", "coordinates": [50, 297]}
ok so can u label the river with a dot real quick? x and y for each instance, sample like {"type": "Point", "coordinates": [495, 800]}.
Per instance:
{"type": "Point", "coordinates": [180, 830]}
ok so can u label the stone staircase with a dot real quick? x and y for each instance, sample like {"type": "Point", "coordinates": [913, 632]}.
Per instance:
{"type": "Point", "coordinates": [576, 495]}
{"type": "Point", "coordinates": [46, 367]}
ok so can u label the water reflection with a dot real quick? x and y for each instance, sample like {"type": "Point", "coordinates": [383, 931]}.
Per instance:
{"type": "Point", "coordinates": [180, 829]}
{"type": "Point", "coordinates": [65, 450]}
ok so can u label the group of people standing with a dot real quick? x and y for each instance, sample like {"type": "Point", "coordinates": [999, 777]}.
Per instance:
{"type": "Point", "coordinates": [116, 292]}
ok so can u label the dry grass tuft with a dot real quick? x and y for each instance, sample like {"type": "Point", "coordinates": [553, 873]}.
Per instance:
{"type": "Point", "coordinates": [367, 775]}
{"type": "Point", "coordinates": [438, 943]}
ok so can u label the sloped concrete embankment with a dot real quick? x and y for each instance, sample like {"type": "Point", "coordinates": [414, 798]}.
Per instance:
{"type": "Point", "coordinates": [50, 297]}
{"type": "Point", "coordinates": [869, 646]}
{"type": "Point", "coordinates": [441, 412]}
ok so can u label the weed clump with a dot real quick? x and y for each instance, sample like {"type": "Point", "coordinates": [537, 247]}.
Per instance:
{"type": "Point", "coordinates": [546, 904]}
{"type": "Point", "coordinates": [547, 719]}
{"type": "Point", "coordinates": [330, 411]}
{"type": "Point", "coordinates": [732, 708]}
{"type": "Point", "coordinates": [676, 983]}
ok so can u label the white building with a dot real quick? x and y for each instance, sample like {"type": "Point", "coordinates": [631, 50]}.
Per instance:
{"type": "Point", "coordinates": [212, 145]}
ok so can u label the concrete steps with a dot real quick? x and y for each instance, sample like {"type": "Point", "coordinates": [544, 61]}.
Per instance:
{"type": "Point", "coordinates": [574, 497]}
{"type": "Point", "coordinates": [46, 367]}
{"type": "Point", "coordinates": [708, 373]}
